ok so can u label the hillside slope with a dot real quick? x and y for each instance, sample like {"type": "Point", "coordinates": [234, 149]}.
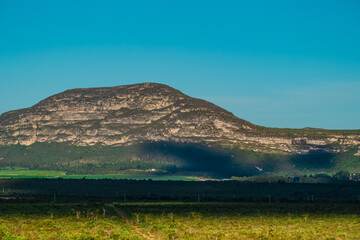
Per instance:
{"type": "Point", "coordinates": [150, 113]}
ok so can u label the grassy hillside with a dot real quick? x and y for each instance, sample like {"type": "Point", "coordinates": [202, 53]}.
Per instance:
{"type": "Point", "coordinates": [172, 158]}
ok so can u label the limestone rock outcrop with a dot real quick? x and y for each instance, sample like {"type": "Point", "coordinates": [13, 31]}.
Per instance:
{"type": "Point", "coordinates": [131, 114]}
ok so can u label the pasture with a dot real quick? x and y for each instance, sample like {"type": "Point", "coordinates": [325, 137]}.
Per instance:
{"type": "Point", "coordinates": [178, 220]}
{"type": "Point", "coordinates": [35, 208]}
{"type": "Point", "coordinates": [28, 173]}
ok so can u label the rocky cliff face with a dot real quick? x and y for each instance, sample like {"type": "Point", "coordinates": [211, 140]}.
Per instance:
{"type": "Point", "coordinates": [131, 114]}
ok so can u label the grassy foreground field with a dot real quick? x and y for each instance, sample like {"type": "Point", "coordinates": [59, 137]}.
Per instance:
{"type": "Point", "coordinates": [179, 221]}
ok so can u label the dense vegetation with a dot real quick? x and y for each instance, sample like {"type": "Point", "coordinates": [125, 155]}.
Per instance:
{"type": "Point", "coordinates": [131, 209]}
{"type": "Point", "coordinates": [178, 221]}
{"type": "Point", "coordinates": [173, 158]}
{"type": "Point", "coordinates": [339, 177]}
{"type": "Point", "coordinates": [144, 190]}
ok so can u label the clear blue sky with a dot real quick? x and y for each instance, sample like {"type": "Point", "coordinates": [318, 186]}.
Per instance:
{"type": "Point", "coordinates": [274, 63]}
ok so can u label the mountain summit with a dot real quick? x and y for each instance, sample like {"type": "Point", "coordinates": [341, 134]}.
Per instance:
{"type": "Point", "coordinates": [130, 115]}
{"type": "Point", "coordinates": [120, 115]}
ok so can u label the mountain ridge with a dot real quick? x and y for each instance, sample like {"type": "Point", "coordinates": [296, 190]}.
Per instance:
{"type": "Point", "coordinates": [152, 114]}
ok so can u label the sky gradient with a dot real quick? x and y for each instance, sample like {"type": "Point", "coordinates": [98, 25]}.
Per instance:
{"type": "Point", "coordinates": [274, 63]}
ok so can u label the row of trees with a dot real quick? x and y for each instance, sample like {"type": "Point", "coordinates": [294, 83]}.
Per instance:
{"type": "Point", "coordinates": [341, 176]}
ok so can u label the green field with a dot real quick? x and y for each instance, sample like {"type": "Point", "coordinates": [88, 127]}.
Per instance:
{"type": "Point", "coordinates": [26, 173]}
{"type": "Point", "coordinates": [178, 221]}
{"type": "Point", "coordinates": [131, 176]}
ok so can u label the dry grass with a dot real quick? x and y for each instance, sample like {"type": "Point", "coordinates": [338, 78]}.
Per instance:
{"type": "Point", "coordinates": [179, 221]}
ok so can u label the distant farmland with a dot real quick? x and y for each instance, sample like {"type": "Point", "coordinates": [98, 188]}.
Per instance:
{"type": "Point", "coordinates": [27, 173]}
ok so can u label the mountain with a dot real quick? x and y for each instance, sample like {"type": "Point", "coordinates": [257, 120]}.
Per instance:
{"type": "Point", "coordinates": [152, 125]}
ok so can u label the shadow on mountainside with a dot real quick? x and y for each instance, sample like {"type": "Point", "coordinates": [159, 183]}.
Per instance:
{"type": "Point", "coordinates": [218, 162]}
{"type": "Point", "coordinates": [188, 158]}
{"type": "Point", "coordinates": [318, 159]}
{"type": "Point", "coordinates": [200, 158]}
